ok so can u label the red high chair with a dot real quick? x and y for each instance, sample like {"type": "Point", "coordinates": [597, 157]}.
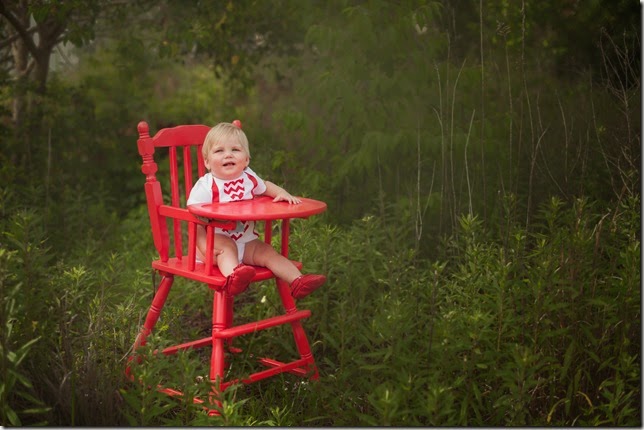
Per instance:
{"type": "Point", "coordinates": [174, 220]}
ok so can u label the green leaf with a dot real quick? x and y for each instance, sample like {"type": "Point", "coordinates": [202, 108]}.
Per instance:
{"type": "Point", "coordinates": [13, 417]}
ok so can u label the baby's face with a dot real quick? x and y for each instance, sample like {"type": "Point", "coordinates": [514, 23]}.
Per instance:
{"type": "Point", "coordinates": [227, 159]}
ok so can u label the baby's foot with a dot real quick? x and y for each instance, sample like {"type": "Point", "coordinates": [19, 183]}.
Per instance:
{"type": "Point", "coordinates": [304, 285]}
{"type": "Point", "coordinates": [238, 281]}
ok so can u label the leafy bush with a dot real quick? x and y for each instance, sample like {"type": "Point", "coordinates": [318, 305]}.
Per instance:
{"type": "Point", "coordinates": [16, 388]}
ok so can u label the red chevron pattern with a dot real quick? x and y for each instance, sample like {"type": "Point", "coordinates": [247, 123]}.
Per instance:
{"type": "Point", "coordinates": [236, 236]}
{"type": "Point", "coordinates": [235, 189]}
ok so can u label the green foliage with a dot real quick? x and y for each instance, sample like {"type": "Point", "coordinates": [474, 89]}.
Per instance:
{"type": "Point", "coordinates": [146, 404]}
{"type": "Point", "coordinates": [233, 35]}
{"type": "Point", "coordinates": [374, 97]}
{"type": "Point", "coordinates": [77, 17]}
{"type": "Point", "coordinates": [551, 306]}
{"type": "Point", "coordinates": [16, 388]}
{"type": "Point", "coordinates": [82, 318]}
{"type": "Point", "coordinates": [469, 284]}
{"type": "Point", "coordinates": [530, 327]}
{"type": "Point", "coordinates": [379, 106]}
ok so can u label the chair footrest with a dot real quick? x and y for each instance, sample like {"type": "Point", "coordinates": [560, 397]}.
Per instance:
{"type": "Point", "coordinates": [297, 367]}
{"type": "Point", "coordinates": [269, 362]}
{"type": "Point", "coordinates": [240, 330]}
{"type": "Point", "coordinates": [262, 325]}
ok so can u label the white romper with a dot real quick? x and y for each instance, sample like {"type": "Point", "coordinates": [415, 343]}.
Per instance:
{"type": "Point", "coordinates": [211, 189]}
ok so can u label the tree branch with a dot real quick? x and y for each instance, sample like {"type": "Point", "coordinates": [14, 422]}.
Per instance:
{"type": "Point", "coordinates": [9, 40]}
{"type": "Point", "coordinates": [20, 29]}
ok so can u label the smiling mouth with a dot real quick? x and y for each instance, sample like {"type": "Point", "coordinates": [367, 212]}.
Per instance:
{"type": "Point", "coordinates": [229, 164]}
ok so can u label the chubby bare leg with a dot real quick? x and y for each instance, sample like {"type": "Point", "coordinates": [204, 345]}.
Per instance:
{"type": "Point", "coordinates": [259, 253]}
{"type": "Point", "coordinates": [225, 251]}
{"type": "Point", "coordinates": [238, 276]}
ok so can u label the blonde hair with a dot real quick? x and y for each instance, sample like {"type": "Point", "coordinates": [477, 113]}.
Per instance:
{"type": "Point", "coordinates": [222, 131]}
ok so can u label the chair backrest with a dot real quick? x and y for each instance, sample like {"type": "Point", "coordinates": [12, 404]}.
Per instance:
{"type": "Point", "coordinates": [182, 146]}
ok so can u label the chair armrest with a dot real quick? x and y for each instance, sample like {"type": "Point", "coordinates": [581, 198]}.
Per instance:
{"type": "Point", "coordinates": [185, 215]}
{"type": "Point", "coordinates": [181, 214]}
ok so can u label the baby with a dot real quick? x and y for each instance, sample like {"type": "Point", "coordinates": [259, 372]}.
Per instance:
{"type": "Point", "coordinates": [226, 156]}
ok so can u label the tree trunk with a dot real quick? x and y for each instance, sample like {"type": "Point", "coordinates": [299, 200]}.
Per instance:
{"type": "Point", "coordinates": [31, 52]}
{"type": "Point", "coordinates": [21, 68]}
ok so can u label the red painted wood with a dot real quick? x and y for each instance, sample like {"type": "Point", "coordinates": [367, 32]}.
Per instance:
{"type": "Point", "coordinates": [262, 324]}
{"type": "Point", "coordinates": [181, 135]}
{"type": "Point", "coordinates": [268, 231]}
{"type": "Point", "coordinates": [258, 209]}
{"type": "Point", "coordinates": [217, 356]}
{"type": "Point", "coordinates": [155, 310]}
{"type": "Point", "coordinates": [210, 247]}
{"type": "Point", "coordinates": [291, 367]}
{"type": "Point", "coordinates": [286, 231]}
{"type": "Point", "coordinates": [187, 171]}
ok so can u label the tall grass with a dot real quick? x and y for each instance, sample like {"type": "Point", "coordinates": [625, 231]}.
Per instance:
{"type": "Point", "coordinates": [509, 326]}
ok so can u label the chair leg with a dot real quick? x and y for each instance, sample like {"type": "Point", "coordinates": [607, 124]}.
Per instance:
{"type": "Point", "coordinates": [155, 310]}
{"type": "Point", "coordinates": [217, 360]}
{"type": "Point", "coordinates": [221, 314]}
{"type": "Point", "coordinates": [230, 301]}
{"type": "Point", "coordinates": [301, 341]}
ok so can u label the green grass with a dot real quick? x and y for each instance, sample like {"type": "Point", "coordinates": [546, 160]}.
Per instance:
{"type": "Point", "coordinates": [506, 327]}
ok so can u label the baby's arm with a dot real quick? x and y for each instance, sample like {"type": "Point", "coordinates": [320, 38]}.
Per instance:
{"type": "Point", "coordinates": [279, 193]}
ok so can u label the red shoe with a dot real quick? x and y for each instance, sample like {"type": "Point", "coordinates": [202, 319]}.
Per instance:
{"type": "Point", "coordinates": [238, 281]}
{"type": "Point", "coordinates": [304, 285]}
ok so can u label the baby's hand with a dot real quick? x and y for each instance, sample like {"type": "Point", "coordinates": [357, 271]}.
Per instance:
{"type": "Point", "coordinates": [286, 197]}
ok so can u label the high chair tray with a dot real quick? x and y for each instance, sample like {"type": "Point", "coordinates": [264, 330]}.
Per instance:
{"type": "Point", "coordinates": [260, 208]}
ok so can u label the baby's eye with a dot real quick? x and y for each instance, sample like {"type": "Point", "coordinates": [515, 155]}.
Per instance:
{"type": "Point", "coordinates": [218, 150]}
